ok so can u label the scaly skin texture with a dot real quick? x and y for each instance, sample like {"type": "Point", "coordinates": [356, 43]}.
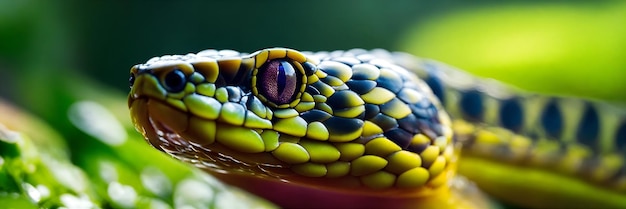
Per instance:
{"type": "Point", "coordinates": [350, 129]}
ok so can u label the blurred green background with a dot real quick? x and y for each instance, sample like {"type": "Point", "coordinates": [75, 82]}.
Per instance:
{"type": "Point", "coordinates": [55, 53]}
{"type": "Point", "coordinates": [568, 47]}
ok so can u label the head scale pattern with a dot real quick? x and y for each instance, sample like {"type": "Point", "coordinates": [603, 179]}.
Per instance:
{"type": "Point", "coordinates": [343, 116]}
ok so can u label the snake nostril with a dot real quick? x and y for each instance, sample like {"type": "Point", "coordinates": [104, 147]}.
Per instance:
{"type": "Point", "coordinates": [131, 80]}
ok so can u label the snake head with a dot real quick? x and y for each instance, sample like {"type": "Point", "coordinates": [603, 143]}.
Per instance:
{"type": "Point", "coordinates": [340, 119]}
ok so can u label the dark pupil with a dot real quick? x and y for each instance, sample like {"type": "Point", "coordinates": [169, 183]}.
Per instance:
{"type": "Point", "coordinates": [281, 77]}
{"type": "Point", "coordinates": [174, 81]}
{"type": "Point", "coordinates": [278, 81]}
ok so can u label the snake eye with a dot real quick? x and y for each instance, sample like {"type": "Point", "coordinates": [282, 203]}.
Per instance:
{"type": "Point", "coordinates": [277, 81]}
{"type": "Point", "coordinates": [174, 81]}
{"type": "Point", "coordinates": [131, 80]}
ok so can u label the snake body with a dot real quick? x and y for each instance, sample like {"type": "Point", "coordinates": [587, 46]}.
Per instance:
{"type": "Point", "coordinates": [362, 128]}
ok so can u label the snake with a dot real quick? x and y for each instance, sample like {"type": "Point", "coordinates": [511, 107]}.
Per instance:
{"type": "Point", "coordinates": [376, 129]}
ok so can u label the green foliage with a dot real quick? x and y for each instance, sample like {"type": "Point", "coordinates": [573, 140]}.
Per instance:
{"type": "Point", "coordinates": [109, 166]}
{"type": "Point", "coordinates": [558, 48]}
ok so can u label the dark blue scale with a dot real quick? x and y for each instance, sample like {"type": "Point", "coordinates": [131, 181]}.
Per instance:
{"type": "Point", "coordinates": [331, 79]}
{"type": "Point", "coordinates": [472, 105]}
{"type": "Point", "coordinates": [371, 110]}
{"type": "Point", "coordinates": [342, 126]}
{"type": "Point", "coordinates": [511, 114]}
{"type": "Point", "coordinates": [417, 148]}
{"type": "Point", "coordinates": [589, 127]}
{"type": "Point", "coordinates": [315, 115]}
{"type": "Point", "coordinates": [388, 106]}
{"type": "Point", "coordinates": [361, 86]}
{"type": "Point", "coordinates": [340, 99]}
{"type": "Point", "coordinates": [312, 90]}
{"type": "Point", "coordinates": [424, 109]}
{"type": "Point", "coordinates": [408, 124]}
{"type": "Point", "coordinates": [333, 72]}
{"type": "Point", "coordinates": [384, 122]}
{"type": "Point", "coordinates": [360, 75]}
{"type": "Point", "coordinates": [393, 84]}
{"type": "Point", "coordinates": [620, 137]}
{"type": "Point", "coordinates": [552, 120]}
{"type": "Point", "coordinates": [321, 87]}
{"type": "Point", "coordinates": [309, 68]}
{"type": "Point", "coordinates": [429, 128]}
{"type": "Point", "coordinates": [437, 127]}
{"type": "Point", "coordinates": [400, 137]}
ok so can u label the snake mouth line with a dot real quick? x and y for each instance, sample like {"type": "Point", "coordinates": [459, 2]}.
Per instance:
{"type": "Point", "coordinates": [155, 132]}
{"type": "Point", "coordinates": [175, 136]}
{"type": "Point", "coordinates": [166, 134]}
